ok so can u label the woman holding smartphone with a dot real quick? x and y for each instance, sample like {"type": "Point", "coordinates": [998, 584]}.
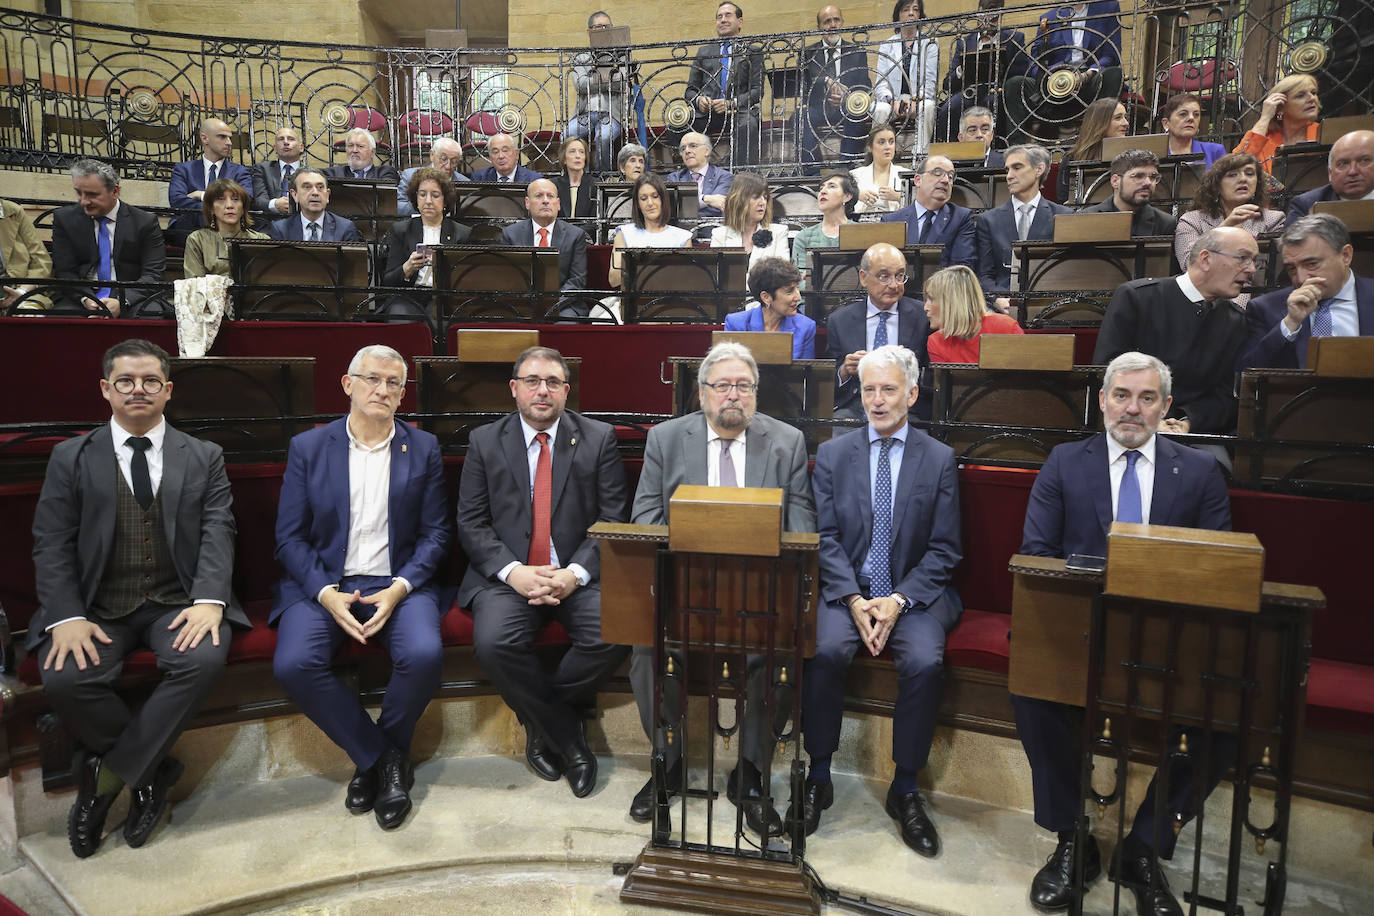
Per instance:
{"type": "Point", "coordinates": [1289, 115]}
{"type": "Point", "coordinates": [408, 261]}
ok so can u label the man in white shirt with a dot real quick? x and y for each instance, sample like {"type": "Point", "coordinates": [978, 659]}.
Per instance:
{"type": "Point", "coordinates": [133, 548]}
{"type": "Point", "coordinates": [311, 223]}
{"type": "Point", "coordinates": [272, 179]}
{"type": "Point", "coordinates": [360, 149]}
{"type": "Point", "coordinates": [712, 183]}
{"type": "Point", "coordinates": [362, 530]}
{"type": "Point", "coordinates": [186, 190]}
{"type": "Point", "coordinates": [1028, 215]}
{"type": "Point", "coordinates": [1349, 172]}
{"type": "Point", "coordinates": [445, 154]}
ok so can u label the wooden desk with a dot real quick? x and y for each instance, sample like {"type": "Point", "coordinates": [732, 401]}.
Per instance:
{"type": "Point", "coordinates": [299, 281]}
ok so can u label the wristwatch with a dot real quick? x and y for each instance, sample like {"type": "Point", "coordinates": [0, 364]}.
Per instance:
{"type": "Point", "coordinates": [903, 603]}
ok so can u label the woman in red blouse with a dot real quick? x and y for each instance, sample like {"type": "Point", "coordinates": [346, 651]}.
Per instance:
{"type": "Point", "coordinates": [958, 316]}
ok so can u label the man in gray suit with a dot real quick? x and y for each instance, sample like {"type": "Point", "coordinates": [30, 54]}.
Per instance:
{"type": "Point", "coordinates": [1027, 215]}
{"type": "Point", "coordinates": [726, 443]}
{"type": "Point", "coordinates": [272, 179]}
{"type": "Point", "coordinates": [133, 547]}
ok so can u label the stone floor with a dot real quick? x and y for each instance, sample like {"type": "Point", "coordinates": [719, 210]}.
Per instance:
{"type": "Point", "coordinates": [488, 837]}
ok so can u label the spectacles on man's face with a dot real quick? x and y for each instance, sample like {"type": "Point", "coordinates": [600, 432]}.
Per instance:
{"type": "Point", "coordinates": [886, 279]}
{"type": "Point", "coordinates": [532, 382]}
{"type": "Point", "coordinates": [1151, 177]}
{"type": "Point", "coordinates": [722, 388]}
{"type": "Point", "coordinates": [126, 385]}
{"type": "Point", "coordinates": [1244, 260]}
{"type": "Point", "coordinates": [939, 172]}
{"type": "Point", "coordinates": [393, 385]}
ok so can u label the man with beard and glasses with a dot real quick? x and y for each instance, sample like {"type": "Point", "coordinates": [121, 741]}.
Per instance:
{"type": "Point", "coordinates": [1134, 175]}
{"type": "Point", "coordinates": [1127, 474]}
{"type": "Point", "coordinates": [724, 444]}
{"type": "Point", "coordinates": [532, 484]}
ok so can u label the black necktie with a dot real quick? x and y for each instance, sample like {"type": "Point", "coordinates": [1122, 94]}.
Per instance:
{"type": "Point", "coordinates": [138, 465]}
{"type": "Point", "coordinates": [927, 220]}
{"type": "Point", "coordinates": [214, 173]}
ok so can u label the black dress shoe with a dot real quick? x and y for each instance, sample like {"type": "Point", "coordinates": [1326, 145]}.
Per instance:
{"type": "Point", "coordinates": [395, 776]}
{"type": "Point", "coordinates": [816, 797]}
{"type": "Point", "coordinates": [580, 763]}
{"type": "Point", "coordinates": [1135, 870]}
{"type": "Point", "coordinates": [545, 763]}
{"type": "Point", "coordinates": [642, 807]}
{"type": "Point", "coordinates": [909, 810]}
{"type": "Point", "coordinates": [86, 822]}
{"type": "Point", "coordinates": [1052, 887]}
{"type": "Point", "coordinates": [760, 815]}
{"type": "Point", "coordinates": [148, 801]}
{"type": "Point", "coordinates": [362, 791]}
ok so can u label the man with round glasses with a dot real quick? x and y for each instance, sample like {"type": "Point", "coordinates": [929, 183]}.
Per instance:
{"type": "Point", "coordinates": [533, 483]}
{"type": "Point", "coordinates": [361, 533]}
{"type": "Point", "coordinates": [932, 219]}
{"type": "Point", "coordinates": [133, 547]}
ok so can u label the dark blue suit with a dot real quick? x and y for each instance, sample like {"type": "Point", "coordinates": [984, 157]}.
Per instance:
{"type": "Point", "coordinates": [802, 329]}
{"type": "Point", "coordinates": [1070, 512]}
{"type": "Point", "coordinates": [716, 181]}
{"type": "Point", "coordinates": [1053, 47]}
{"type": "Point", "coordinates": [846, 332]}
{"type": "Point", "coordinates": [1265, 346]}
{"type": "Point", "coordinates": [925, 550]}
{"type": "Point", "coordinates": [190, 176]}
{"type": "Point", "coordinates": [952, 227]}
{"type": "Point", "coordinates": [1301, 204]}
{"type": "Point", "coordinates": [963, 95]}
{"type": "Point", "coordinates": [333, 229]}
{"type": "Point", "coordinates": [997, 230]}
{"type": "Point", "coordinates": [312, 539]}
{"type": "Point", "coordinates": [522, 175]}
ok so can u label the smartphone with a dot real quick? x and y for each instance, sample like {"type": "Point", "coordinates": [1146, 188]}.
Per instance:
{"type": "Point", "coordinates": [422, 250]}
{"type": "Point", "coordinates": [1085, 562]}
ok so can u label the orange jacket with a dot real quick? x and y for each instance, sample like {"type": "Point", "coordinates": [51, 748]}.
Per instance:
{"type": "Point", "coordinates": [1263, 146]}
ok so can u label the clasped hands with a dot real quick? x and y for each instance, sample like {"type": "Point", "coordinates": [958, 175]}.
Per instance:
{"type": "Point", "coordinates": [543, 584]}
{"type": "Point", "coordinates": [340, 607]}
{"type": "Point", "coordinates": [875, 618]}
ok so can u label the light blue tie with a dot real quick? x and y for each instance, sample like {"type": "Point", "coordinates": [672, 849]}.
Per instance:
{"type": "Point", "coordinates": [880, 552]}
{"type": "Point", "coordinates": [1128, 497]}
{"type": "Point", "coordinates": [1321, 319]}
{"type": "Point", "coordinates": [880, 335]}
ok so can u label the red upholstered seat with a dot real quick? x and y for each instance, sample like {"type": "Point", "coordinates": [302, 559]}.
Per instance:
{"type": "Point", "coordinates": [1340, 696]}
{"type": "Point", "coordinates": [979, 640]}
{"type": "Point", "coordinates": [456, 630]}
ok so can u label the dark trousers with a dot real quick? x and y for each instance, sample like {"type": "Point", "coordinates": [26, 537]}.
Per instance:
{"type": "Point", "coordinates": [918, 649]}
{"type": "Point", "coordinates": [134, 743]}
{"type": "Point", "coordinates": [818, 116]}
{"type": "Point", "coordinates": [308, 638]}
{"type": "Point", "coordinates": [1024, 99]}
{"type": "Point", "coordinates": [1051, 734]}
{"type": "Point", "coordinates": [504, 629]}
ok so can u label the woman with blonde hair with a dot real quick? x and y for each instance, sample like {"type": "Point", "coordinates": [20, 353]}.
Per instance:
{"type": "Point", "coordinates": [1289, 115]}
{"type": "Point", "coordinates": [954, 304]}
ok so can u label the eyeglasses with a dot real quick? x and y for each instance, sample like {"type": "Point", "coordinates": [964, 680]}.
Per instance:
{"type": "Point", "coordinates": [1151, 177]}
{"type": "Point", "coordinates": [887, 279]}
{"type": "Point", "coordinates": [126, 385]}
{"type": "Point", "coordinates": [1245, 260]}
{"type": "Point", "coordinates": [744, 388]}
{"type": "Point", "coordinates": [532, 382]}
{"type": "Point", "coordinates": [393, 385]}
{"type": "Point", "coordinates": [938, 172]}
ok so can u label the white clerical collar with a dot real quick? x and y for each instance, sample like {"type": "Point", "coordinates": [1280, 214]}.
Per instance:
{"type": "Point", "coordinates": [1189, 288]}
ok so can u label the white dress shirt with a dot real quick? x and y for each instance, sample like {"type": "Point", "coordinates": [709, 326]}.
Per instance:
{"type": "Point", "coordinates": [369, 497]}
{"type": "Point", "coordinates": [305, 226]}
{"type": "Point", "coordinates": [1144, 473]}
{"type": "Point", "coordinates": [429, 235]}
{"type": "Point", "coordinates": [113, 217]}
{"type": "Point", "coordinates": [870, 330]}
{"type": "Point", "coordinates": [532, 456]}
{"type": "Point", "coordinates": [1345, 315]}
{"type": "Point", "coordinates": [206, 164]}
{"type": "Point", "coordinates": [714, 443]}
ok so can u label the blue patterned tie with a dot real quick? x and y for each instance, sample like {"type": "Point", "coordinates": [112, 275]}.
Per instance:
{"type": "Point", "coordinates": [724, 66]}
{"type": "Point", "coordinates": [1321, 319]}
{"type": "Point", "coordinates": [879, 554]}
{"type": "Point", "coordinates": [1128, 497]}
{"type": "Point", "coordinates": [880, 335]}
{"type": "Point", "coordinates": [102, 269]}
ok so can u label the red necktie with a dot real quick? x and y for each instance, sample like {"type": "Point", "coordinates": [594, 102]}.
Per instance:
{"type": "Point", "coordinates": [543, 243]}
{"type": "Point", "coordinates": [543, 500]}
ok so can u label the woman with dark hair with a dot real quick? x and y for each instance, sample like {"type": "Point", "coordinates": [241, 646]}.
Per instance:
{"type": "Point", "coordinates": [1289, 115]}
{"type": "Point", "coordinates": [1234, 192]}
{"type": "Point", "coordinates": [836, 202]}
{"type": "Point", "coordinates": [749, 221]}
{"type": "Point", "coordinates": [1102, 119]}
{"type": "Point", "coordinates": [431, 194]}
{"type": "Point", "coordinates": [652, 209]}
{"type": "Point", "coordinates": [225, 212]}
{"type": "Point", "coordinates": [954, 305]}
{"type": "Point", "coordinates": [1181, 117]}
{"type": "Point", "coordinates": [773, 283]}
{"type": "Point", "coordinates": [880, 180]}
{"type": "Point", "coordinates": [576, 189]}
{"type": "Point", "coordinates": [908, 73]}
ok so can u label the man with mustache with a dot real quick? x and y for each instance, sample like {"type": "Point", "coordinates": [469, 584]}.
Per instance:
{"type": "Point", "coordinates": [1192, 323]}
{"type": "Point", "coordinates": [1127, 474]}
{"type": "Point", "coordinates": [532, 484]}
{"type": "Point", "coordinates": [932, 220]}
{"type": "Point", "coordinates": [1134, 175]}
{"type": "Point", "coordinates": [724, 444]}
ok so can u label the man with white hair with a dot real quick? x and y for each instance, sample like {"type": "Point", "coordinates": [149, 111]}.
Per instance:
{"type": "Point", "coordinates": [362, 529]}
{"type": "Point", "coordinates": [505, 166]}
{"type": "Point", "coordinates": [712, 183]}
{"type": "Point", "coordinates": [360, 149]}
{"type": "Point", "coordinates": [444, 154]}
{"type": "Point", "coordinates": [887, 505]}
{"type": "Point", "coordinates": [1125, 474]}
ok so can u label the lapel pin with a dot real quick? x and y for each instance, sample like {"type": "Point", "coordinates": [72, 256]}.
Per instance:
{"type": "Point", "coordinates": [572, 441]}
{"type": "Point", "coordinates": [1175, 469]}
{"type": "Point", "coordinates": [403, 446]}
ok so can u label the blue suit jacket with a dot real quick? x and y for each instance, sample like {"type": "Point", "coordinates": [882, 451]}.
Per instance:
{"type": "Point", "coordinates": [1265, 346]}
{"type": "Point", "coordinates": [953, 228]}
{"type": "Point", "coordinates": [1015, 61]}
{"type": "Point", "coordinates": [523, 175]}
{"type": "Point", "coordinates": [1070, 506]}
{"type": "Point", "coordinates": [997, 230]}
{"type": "Point", "coordinates": [926, 542]}
{"type": "Point", "coordinates": [717, 181]}
{"type": "Point", "coordinates": [336, 229]}
{"type": "Point", "coordinates": [1301, 204]}
{"type": "Point", "coordinates": [845, 333]}
{"type": "Point", "coordinates": [1101, 38]}
{"type": "Point", "coordinates": [312, 513]}
{"type": "Point", "coordinates": [802, 329]}
{"type": "Point", "coordinates": [190, 176]}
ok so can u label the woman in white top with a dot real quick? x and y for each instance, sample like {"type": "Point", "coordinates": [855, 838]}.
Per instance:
{"type": "Point", "coordinates": [652, 209]}
{"type": "Point", "coordinates": [749, 221]}
{"type": "Point", "coordinates": [907, 74]}
{"type": "Point", "coordinates": [879, 182]}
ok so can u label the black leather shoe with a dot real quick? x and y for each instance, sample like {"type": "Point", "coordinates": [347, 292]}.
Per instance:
{"type": "Point", "coordinates": [642, 807]}
{"type": "Point", "coordinates": [1052, 887]}
{"type": "Point", "coordinates": [909, 810]}
{"type": "Point", "coordinates": [816, 797]}
{"type": "Point", "coordinates": [580, 764]}
{"type": "Point", "coordinates": [148, 801]}
{"type": "Point", "coordinates": [761, 816]}
{"type": "Point", "coordinates": [395, 776]}
{"type": "Point", "coordinates": [1135, 870]}
{"type": "Point", "coordinates": [362, 791]}
{"type": "Point", "coordinates": [86, 822]}
{"type": "Point", "coordinates": [545, 763]}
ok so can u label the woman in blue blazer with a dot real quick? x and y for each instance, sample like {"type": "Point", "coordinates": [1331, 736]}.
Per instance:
{"type": "Point", "coordinates": [1182, 116]}
{"type": "Point", "coordinates": [773, 282]}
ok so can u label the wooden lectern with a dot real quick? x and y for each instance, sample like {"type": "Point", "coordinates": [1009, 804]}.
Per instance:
{"type": "Point", "coordinates": [718, 590]}
{"type": "Point", "coordinates": [1175, 646]}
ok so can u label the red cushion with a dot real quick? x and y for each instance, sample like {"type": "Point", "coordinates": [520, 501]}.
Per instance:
{"type": "Point", "coordinates": [456, 630]}
{"type": "Point", "coordinates": [1340, 696]}
{"type": "Point", "coordinates": [979, 640]}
